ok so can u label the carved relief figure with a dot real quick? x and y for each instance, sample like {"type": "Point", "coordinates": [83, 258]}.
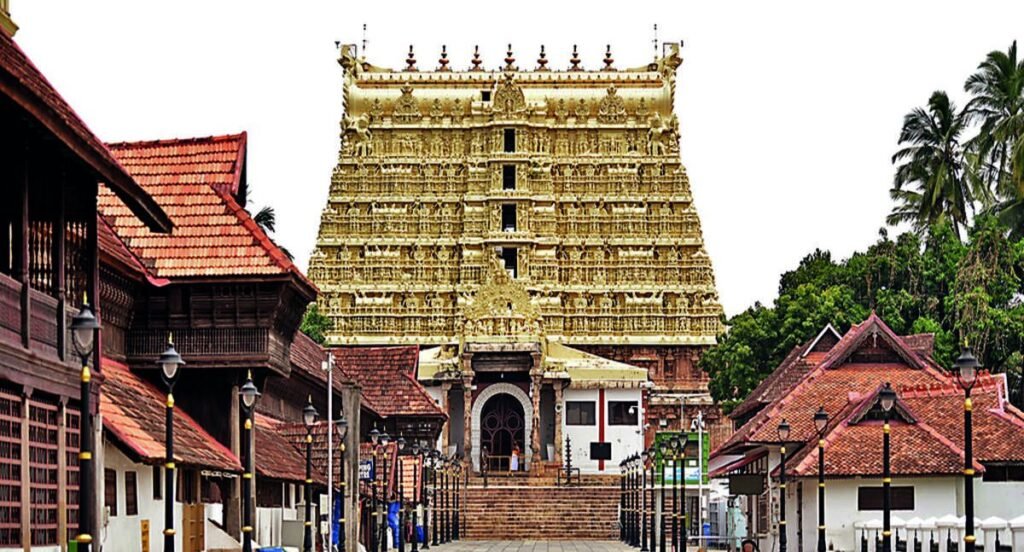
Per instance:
{"type": "Point", "coordinates": [612, 108]}
{"type": "Point", "coordinates": [357, 135]}
{"type": "Point", "coordinates": [407, 109]}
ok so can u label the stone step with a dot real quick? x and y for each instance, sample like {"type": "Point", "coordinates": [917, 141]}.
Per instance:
{"type": "Point", "coordinates": [541, 512]}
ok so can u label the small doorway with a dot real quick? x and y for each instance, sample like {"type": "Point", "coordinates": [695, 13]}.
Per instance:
{"type": "Point", "coordinates": [503, 429]}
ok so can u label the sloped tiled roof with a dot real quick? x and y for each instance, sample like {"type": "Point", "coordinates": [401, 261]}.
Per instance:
{"type": "Point", "coordinates": [790, 371]}
{"type": "Point", "coordinates": [134, 414]}
{"type": "Point", "coordinates": [915, 449]}
{"type": "Point", "coordinates": [277, 457]}
{"type": "Point", "coordinates": [25, 85]}
{"type": "Point", "coordinates": [388, 379]}
{"type": "Point", "coordinates": [844, 386]}
{"type": "Point", "coordinates": [192, 180]}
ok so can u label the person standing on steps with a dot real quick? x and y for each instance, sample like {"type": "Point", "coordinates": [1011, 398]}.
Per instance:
{"type": "Point", "coordinates": [513, 463]}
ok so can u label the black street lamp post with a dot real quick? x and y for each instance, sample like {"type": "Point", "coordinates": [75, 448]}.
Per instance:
{"type": "Point", "coordinates": [634, 507]}
{"type": "Point", "coordinates": [309, 416]}
{"type": "Point", "coordinates": [248, 394]}
{"type": "Point", "coordinates": [674, 444]}
{"type": "Point", "coordinates": [425, 477]}
{"type": "Point", "coordinates": [83, 330]}
{"type": "Point", "coordinates": [652, 454]}
{"type": "Point", "coordinates": [643, 501]}
{"type": "Point", "coordinates": [783, 437]}
{"type": "Point", "coordinates": [662, 523]}
{"type": "Point", "coordinates": [458, 509]}
{"type": "Point", "coordinates": [967, 373]}
{"type": "Point", "coordinates": [374, 504]}
{"type": "Point", "coordinates": [680, 445]}
{"type": "Point", "coordinates": [169, 363]}
{"type": "Point", "coordinates": [343, 433]}
{"type": "Point", "coordinates": [887, 396]}
{"type": "Point", "coordinates": [435, 468]}
{"type": "Point", "coordinates": [400, 476]}
{"type": "Point", "coordinates": [622, 501]}
{"type": "Point", "coordinates": [820, 423]}
{"type": "Point", "coordinates": [384, 440]}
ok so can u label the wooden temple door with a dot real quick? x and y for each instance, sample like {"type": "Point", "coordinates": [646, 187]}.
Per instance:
{"type": "Point", "coordinates": [502, 428]}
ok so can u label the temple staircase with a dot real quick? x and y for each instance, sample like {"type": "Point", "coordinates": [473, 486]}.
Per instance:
{"type": "Point", "coordinates": [528, 507]}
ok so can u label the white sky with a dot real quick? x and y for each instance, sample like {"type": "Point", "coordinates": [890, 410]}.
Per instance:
{"type": "Point", "coordinates": [789, 110]}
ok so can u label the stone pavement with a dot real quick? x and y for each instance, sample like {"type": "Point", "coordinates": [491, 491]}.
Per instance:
{"type": "Point", "coordinates": [533, 546]}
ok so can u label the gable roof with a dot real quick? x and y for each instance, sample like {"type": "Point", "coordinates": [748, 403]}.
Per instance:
{"type": "Point", "coordinates": [928, 396]}
{"type": "Point", "coordinates": [388, 379]}
{"type": "Point", "coordinates": [134, 415]}
{"type": "Point", "coordinates": [25, 85]}
{"type": "Point", "coordinates": [800, 360]}
{"type": "Point", "coordinates": [214, 236]}
{"type": "Point", "coordinates": [874, 328]}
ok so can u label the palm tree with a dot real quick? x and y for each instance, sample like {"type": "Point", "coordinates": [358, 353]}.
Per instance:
{"type": "Point", "coordinates": [997, 104]}
{"type": "Point", "coordinates": [930, 185]}
{"type": "Point", "coordinates": [266, 219]}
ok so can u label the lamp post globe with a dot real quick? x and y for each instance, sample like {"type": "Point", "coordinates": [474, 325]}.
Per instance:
{"type": "Point", "coordinates": [169, 362]}
{"type": "Point", "coordinates": [83, 331]}
{"type": "Point", "coordinates": [84, 326]}
{"type": "Point", "coordinates": [374, 436]}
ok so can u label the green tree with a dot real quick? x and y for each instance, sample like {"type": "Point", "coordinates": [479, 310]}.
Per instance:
{"type": "Point", "coordinates": [929, 185]}
{"type": "Point", "coordinates": [315, 325]}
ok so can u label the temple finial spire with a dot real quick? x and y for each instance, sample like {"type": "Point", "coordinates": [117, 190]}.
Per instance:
{"type": "Point", "coordinates": [410, 61]}
{"type": "Point", "coordinates": [608, 60]}
{"type": "Point", "coordinates": [542, 61]}
{"type": "Point", "coordinates": [444, 59]}
{"type": "Point", "coordinates": [510, 60]}
{"type": "Point", "coordinates": [476, 60]}
{"type": "Point", "coordinates": [575, 60]}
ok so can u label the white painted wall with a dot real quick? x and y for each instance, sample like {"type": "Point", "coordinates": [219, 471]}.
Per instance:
{"type": "Point", "coordinates": [267, 527]}
{"type": "Point", "coordinates": [625, 440]}
{"type": "Point", "coordinates": [123, 532]}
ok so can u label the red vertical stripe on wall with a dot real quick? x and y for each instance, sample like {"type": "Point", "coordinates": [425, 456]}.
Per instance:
{"type": "Point", "coordinates": [600, 424]}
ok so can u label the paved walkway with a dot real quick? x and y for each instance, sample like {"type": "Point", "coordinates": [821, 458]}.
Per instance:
{"type": "Point", "coordinates": [532, 546]}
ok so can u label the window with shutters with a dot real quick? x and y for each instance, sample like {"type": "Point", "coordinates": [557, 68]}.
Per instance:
{"type": "Point", "coordinates": [110, 491]}
{"type": "Point", "coordinates": [131, 494]}
{"type": "Point", "coordinates": [43, 451]}
{"type": "Point", "coordinates": [10, 468]}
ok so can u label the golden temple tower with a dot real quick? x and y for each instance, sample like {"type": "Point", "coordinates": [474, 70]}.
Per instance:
{"type": "Point", "coordinates": [568, 179]}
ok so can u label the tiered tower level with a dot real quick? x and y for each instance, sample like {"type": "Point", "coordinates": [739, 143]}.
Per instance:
{"type": "Point", "coordinates": [569, 179]}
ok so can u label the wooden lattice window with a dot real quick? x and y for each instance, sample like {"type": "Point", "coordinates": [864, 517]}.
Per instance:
{"type": "Point", "coordinates": [43, 451]}
{"type": "Point", "coordinates": [10, 468]}
{"type": "Point", "coordinates": [72, 445]}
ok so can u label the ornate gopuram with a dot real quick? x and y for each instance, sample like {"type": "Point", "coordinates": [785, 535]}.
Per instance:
{"type": "Point", "coordinates": [534, 232]}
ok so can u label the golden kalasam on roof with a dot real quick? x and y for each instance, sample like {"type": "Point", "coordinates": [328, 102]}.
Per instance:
{"type": "Point", "coordinates": [570, 180]}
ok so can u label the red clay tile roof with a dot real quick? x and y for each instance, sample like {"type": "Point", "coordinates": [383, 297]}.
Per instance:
{"type": "Point", "coordinates": [788, 374]}
{"type": "Point", "coordinates": [307, 358]}
{"type": "Point", "coordinates": [915, 449]}
{"type": "Point", "coordinates": [295, 433]}
{"type": "Point", "coordinates": [112, 248]}
{"type": "Point", "coordinates": [214, 235]}
{"type": "Point", "coordinates": [24, 84]}
{"type": "Point", "coordinates": [277, 457]}
{"type": "Point", "coordinates": [134, 414]}
{"type": "Point", "coordinates": [387, 376]}
{"type": "Point", "coordinates": [930, 396]}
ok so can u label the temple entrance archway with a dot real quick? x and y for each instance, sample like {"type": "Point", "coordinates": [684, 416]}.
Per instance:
{"type": "Point", "coordinates": [508, 412]}
{"type": "Point", "coordinates": [502, 429]}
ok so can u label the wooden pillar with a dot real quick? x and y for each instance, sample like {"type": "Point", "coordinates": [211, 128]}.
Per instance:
{"type": "Point", "coordinates": [233, 506]}
{"type": "Point", "coordinates": [58, 268]}
{"type": "Point", "coordinates": [559, 409]}
{"type": "Point", "coordinates": [467, 417]}
{"type": "Point", "coordinates": [23, 260]}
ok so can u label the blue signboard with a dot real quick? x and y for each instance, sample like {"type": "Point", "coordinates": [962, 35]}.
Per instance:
{"type": "Point", "coordinates": [366, 470]}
